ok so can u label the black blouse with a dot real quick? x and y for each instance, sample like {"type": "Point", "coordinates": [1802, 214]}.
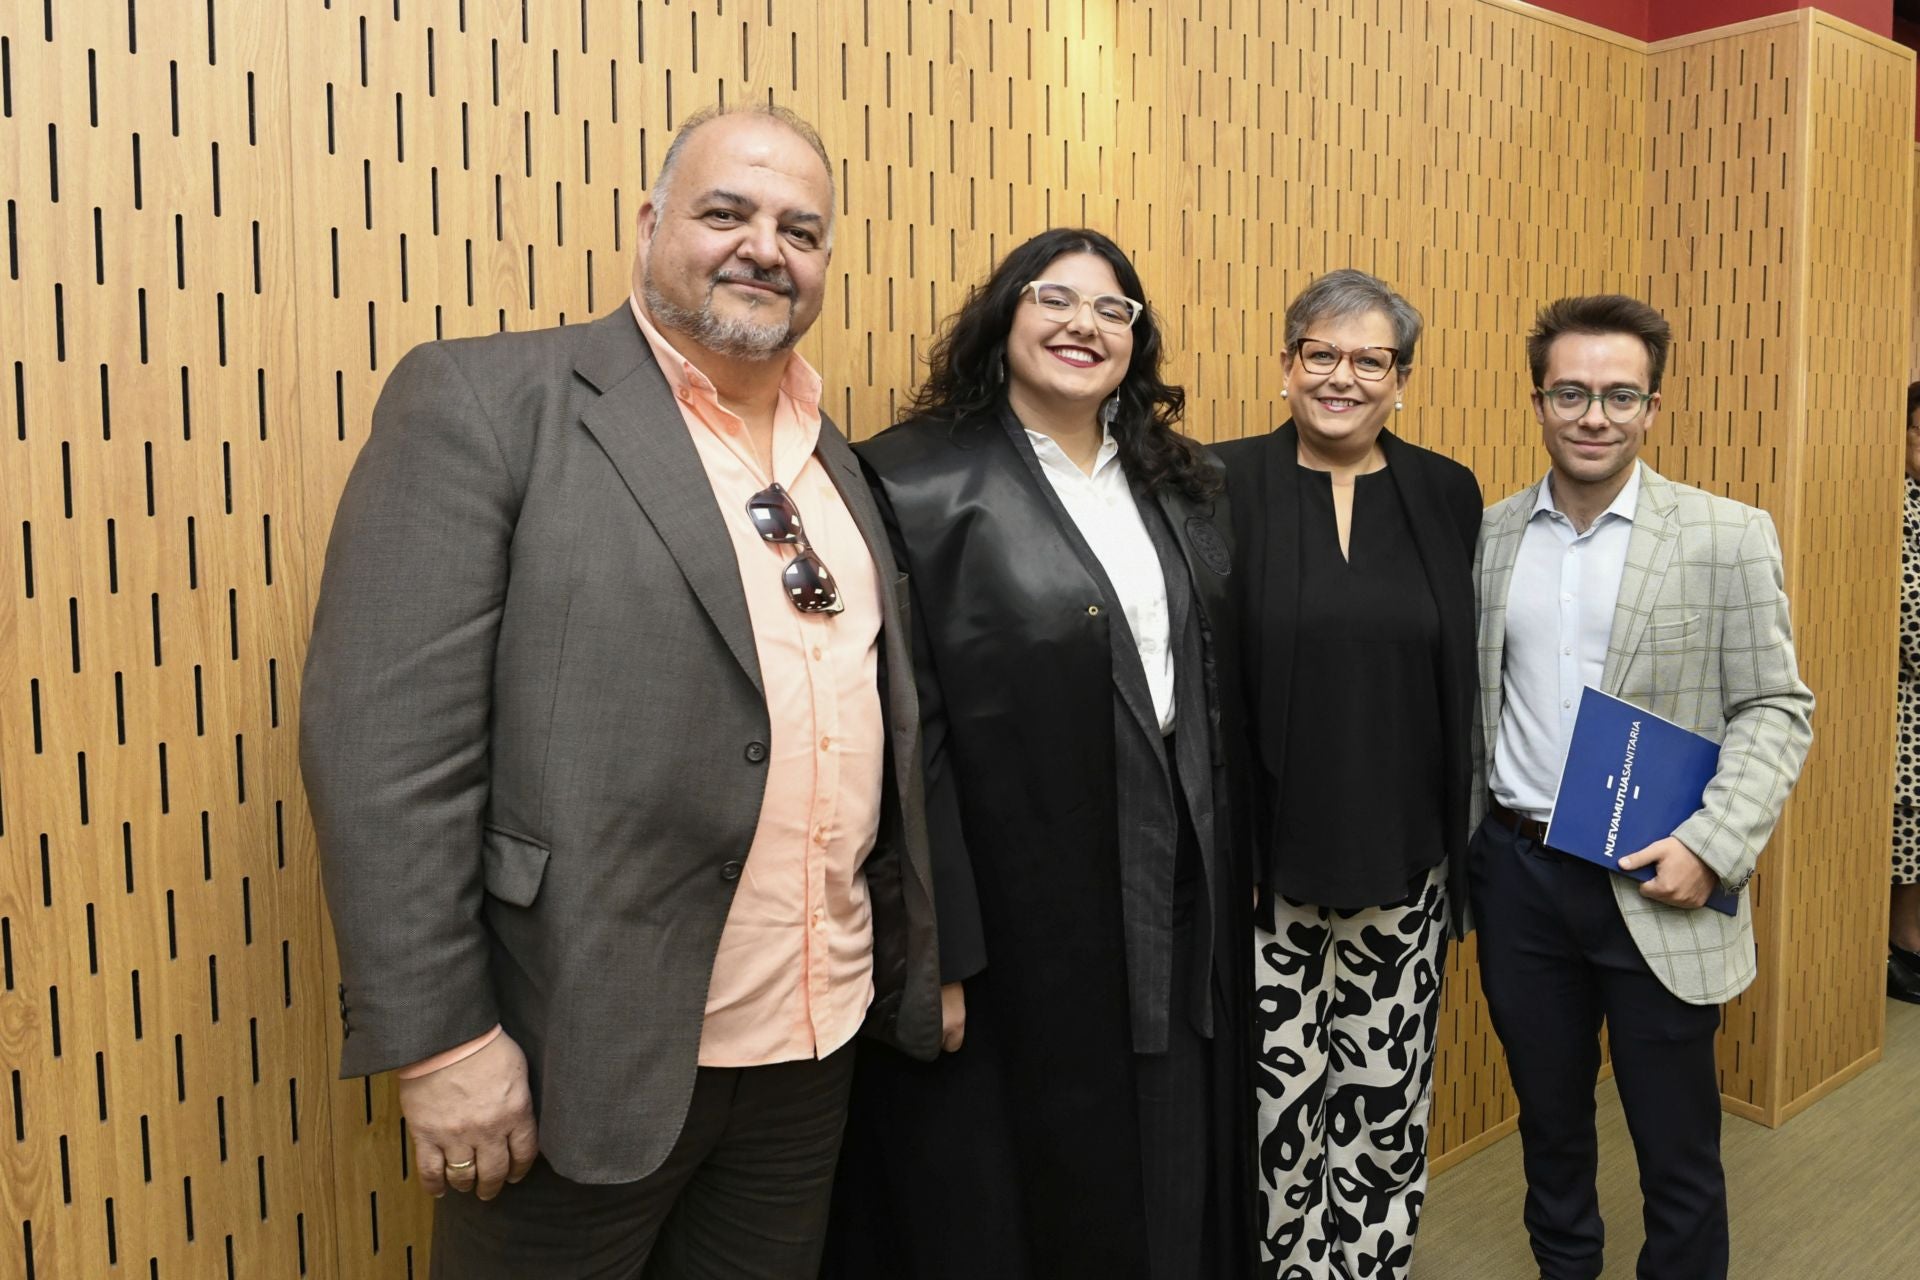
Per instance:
{"type": "Point", "coordinates": [1360, 812]}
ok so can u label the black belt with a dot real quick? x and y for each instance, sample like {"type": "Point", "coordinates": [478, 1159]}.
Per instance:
{"type": "Point", "coordinates": [1529, 828]}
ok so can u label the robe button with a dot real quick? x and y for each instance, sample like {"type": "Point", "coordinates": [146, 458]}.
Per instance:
{"type": "Point", "coordinates": [756, 752]}
{"type": "Point", "coordinates": [1093, 611]}
{"type": "Point", "coordinates": [731, 871]}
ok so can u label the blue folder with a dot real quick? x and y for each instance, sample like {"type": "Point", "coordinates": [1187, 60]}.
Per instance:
{"type": "Point", "coordinates": [1630, 778]}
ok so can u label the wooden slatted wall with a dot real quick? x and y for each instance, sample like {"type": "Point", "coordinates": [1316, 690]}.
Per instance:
{"type": "Point", "coordinates": [162, 1028]}
{"type": "Point", "coordinates": [1845, 504]}
{"type": "Point", "coordinates": [1913, 344]}
{"type": "Point", "coordinates": [226, 221]}
{"type": "Point", "coordinates": [1725, 152]}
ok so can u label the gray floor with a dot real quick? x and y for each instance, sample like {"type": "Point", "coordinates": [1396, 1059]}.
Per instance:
{"type": "Point", "coordinates": [1835, 1192]}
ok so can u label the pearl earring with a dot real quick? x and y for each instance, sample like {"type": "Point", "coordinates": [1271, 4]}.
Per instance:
{"type": "Point", "coordinates": [1283, 393]}
{"type": "Point", "coordinates": [1397, 406]}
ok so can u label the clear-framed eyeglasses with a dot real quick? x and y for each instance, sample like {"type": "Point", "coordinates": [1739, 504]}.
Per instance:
{"type": "Point", "coordinates": [1062, 302]}
{"type": "Point", "coordinates": [1369, 364]}
{"type": "Point", "coordinates": [1621, 405]}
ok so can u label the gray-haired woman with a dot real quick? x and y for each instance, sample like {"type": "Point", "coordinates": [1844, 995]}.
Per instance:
{"type": "Point", "coordinates": [1356, 594]}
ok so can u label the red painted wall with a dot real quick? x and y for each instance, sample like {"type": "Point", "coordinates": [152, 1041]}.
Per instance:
{"type": "Point", "coordinates": [1662, 19]}
{"type": "Point", "coordinates": [1628, 17]}
{"type": "Point", "coordinates": [1668, 18]}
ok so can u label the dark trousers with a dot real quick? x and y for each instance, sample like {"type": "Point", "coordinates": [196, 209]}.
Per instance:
{"type": "Point", "coordinates": [743, 1194]}
{"type": "Point", "coordinates": [1555, 961]}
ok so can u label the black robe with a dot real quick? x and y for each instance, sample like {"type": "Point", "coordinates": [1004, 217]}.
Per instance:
{"type": "Point", "coordinates": [1019, 1157]}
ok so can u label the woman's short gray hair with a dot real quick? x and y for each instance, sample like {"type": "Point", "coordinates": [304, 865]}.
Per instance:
{"type": "Point", "coordinates": [1347, 292]}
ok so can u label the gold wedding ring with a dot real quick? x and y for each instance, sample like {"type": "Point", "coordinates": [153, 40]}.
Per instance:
{"type": "Point", "coordinates": [462, 1165]}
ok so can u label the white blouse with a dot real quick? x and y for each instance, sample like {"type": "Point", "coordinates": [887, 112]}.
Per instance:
{"type": "Point", "coordinates": [1104, 511]}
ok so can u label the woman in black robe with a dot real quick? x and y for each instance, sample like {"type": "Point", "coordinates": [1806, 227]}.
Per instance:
{"type": "Point", "coordinates": [1069, 560]}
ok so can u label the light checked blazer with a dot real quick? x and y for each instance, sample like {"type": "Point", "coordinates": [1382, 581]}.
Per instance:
{"type": "Point", "coordinates": [1700, 637]}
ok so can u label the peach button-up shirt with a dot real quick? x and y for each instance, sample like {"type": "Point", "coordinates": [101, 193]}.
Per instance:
{"type": "Point", "coordinates": [794, 973]}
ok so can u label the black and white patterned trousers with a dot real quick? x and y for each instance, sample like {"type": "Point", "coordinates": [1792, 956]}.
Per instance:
{"type": "Point", "coordinates": [1346, 1006]}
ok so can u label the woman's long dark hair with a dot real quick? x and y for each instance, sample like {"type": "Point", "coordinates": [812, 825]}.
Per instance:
{"type": "Point", "coordinates": [966, 367]}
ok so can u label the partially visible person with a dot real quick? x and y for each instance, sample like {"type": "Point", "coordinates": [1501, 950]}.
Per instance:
{"type": "Point", "coordinates": [1069, 561]}
{"type": "Point", "coordinates": [616, 785]}
{"type": "Point", "coordinates": [1356, 597]}
{"type": "Point", "coordinates": [1903, 928]}
{"type": "Point", "coordinates": [1605, 573]}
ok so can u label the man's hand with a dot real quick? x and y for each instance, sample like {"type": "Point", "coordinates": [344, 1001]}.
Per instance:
{"type": "Point", "coordinates": [478, 1109]}
{"type": "Point", "coordinates": [953, 1017]}
{"type": "Point", "coordinates": [1680, 879]}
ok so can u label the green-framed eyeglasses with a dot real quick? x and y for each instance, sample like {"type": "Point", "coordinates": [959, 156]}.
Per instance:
{"type": "Point", "coordinates": [1620, 404]}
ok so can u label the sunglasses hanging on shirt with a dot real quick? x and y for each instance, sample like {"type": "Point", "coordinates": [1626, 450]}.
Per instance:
{"type": "Point", "coordinates": [809, 586]}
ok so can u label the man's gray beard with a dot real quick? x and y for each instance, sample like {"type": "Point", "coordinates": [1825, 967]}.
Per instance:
{"type": "Point", "coordinates": [738, 339]}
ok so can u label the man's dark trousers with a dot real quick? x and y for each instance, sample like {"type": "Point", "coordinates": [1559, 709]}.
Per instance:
{"type": "Point", "coordinates": [742, 1196]}
{"type": "Point", "coordinates": [1555, 961]}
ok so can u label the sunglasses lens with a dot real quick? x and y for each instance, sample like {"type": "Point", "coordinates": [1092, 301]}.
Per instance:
{"type": "Point", "coordinates": [774, 515]}
{"type": "Point", "coordinates": [809, 585]}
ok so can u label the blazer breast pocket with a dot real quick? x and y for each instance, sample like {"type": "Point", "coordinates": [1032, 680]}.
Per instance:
{"type": "Point", "coordinates": [515, 866]}
{"type": "Point", "coordinates": [1673, 630]}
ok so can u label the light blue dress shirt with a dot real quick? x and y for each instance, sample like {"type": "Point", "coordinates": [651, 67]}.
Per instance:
{"type": "Point", "coordinates": [1559, 617]}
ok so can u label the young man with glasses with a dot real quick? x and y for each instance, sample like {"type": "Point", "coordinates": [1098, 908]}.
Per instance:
{"type": "Point", "coordinates": [1606, 573]}
{"type": "Point", "coordinates": [616, 784]}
